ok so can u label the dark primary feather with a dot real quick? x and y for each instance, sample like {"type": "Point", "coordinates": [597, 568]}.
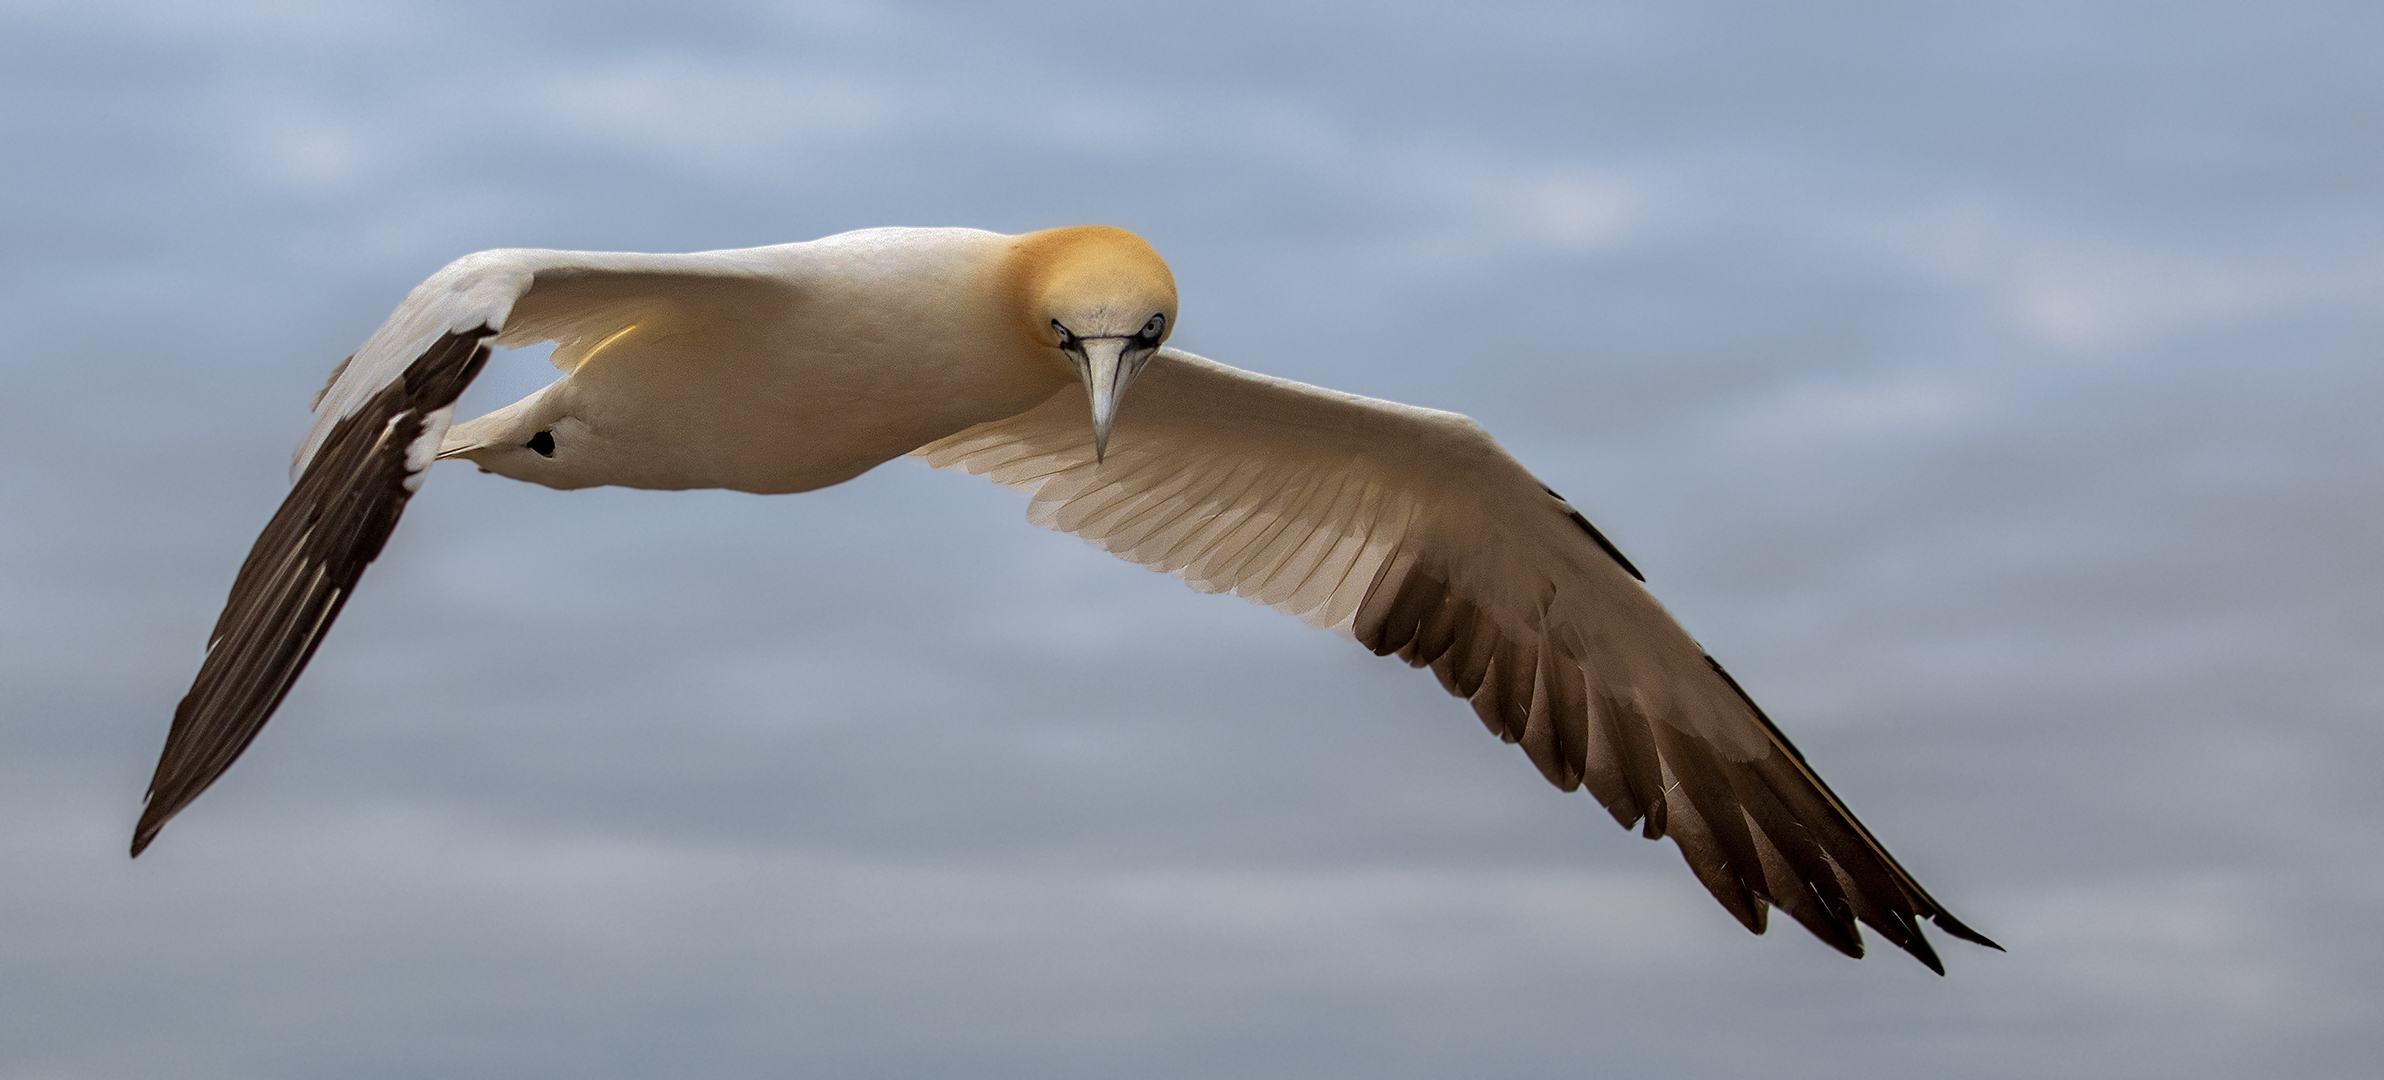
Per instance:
{"type": "Point", "coordinates": [1760, 833]}
{"type": "Point", "coordinates": [300, 573]}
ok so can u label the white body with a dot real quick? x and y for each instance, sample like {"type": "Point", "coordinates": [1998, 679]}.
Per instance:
{"type": "Point", "coordinates": [775, 369]}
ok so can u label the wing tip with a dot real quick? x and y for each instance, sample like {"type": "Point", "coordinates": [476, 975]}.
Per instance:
{"type": "Point", "coordinates": [1954, 926]}
{"type": "Point", "coordinates": [1918, 943]}
{"type": "Point", "coordinates": [146, 831]}
{"type": "Point", "coordinates": [157, 808]}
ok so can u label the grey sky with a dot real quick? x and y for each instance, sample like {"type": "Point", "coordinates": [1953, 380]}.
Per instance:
{"type": "Point", "coordinates": [1992, 388]}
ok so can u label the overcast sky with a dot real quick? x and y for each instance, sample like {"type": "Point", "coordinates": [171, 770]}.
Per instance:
{"type": "Point", "coordinates": [1993, 387]}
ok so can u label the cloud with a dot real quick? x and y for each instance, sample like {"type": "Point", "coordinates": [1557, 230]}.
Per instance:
{"type": "Point", "coordinates": [2082, 293]}
{"type": "Point", "coordinates": [1894, 407]}
{"type": "Point", "coordinates": [705, 115]}
{"type": "Point", "coordinates": [307, 149]}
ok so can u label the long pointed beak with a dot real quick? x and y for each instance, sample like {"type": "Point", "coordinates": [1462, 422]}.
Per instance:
{"type": "Point", "coordinates": [1105, 378]}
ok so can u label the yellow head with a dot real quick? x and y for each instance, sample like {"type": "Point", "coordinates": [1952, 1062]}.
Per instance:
{"type": "Point", "coordinates": [1100, 296]}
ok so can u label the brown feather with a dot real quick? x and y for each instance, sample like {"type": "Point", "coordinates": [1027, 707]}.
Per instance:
{"type": "Point", "coordinates": [300, 573]}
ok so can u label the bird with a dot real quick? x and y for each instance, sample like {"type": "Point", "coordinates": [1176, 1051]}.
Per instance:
{"type": "Point", "coordinates": [793, 367]}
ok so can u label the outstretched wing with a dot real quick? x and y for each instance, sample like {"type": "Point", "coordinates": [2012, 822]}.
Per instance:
{"type": "Point", "coordinates": [1412, 531]}
{"type": "Point", "coordinates": [347, 499]}
{"type": "Point", "coordinates": [378, 426]}
{"type": "Point", "coordinates": [377, 429]}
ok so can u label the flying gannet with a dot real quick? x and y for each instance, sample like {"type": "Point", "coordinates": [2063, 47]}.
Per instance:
{"type": "Point", "coordinates": [790, 368]}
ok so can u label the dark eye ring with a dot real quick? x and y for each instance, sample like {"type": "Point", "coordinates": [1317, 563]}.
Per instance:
{"type": "Point", "coordinates": [1066, 338]}
{"type": "Point", "coordinates": [1151, 329]}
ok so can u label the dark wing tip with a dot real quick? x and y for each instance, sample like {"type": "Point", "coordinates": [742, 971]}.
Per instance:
{"type": "Point", "coordinates": [1927, 905]}
{"type": "Point", "coordinates": [301, 571]}
{"type": "Point", "coordinates": [1757, 832]}
{"type": "Point", "coordinates": [146, 831]}
{"type": "Point", "coordinates": [1954, 926]}
{"type": "Point", "coordinates": [154, 816]}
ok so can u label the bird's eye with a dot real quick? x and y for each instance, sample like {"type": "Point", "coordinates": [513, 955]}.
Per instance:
{"type": "Point", "coordinates": [1151, 329]}
{"type": "Point", "coordinates": [1066, 339]}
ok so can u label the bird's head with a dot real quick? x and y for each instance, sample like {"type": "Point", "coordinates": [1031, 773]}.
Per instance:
{"type": "Point", "coordinates": [1102, 298]}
